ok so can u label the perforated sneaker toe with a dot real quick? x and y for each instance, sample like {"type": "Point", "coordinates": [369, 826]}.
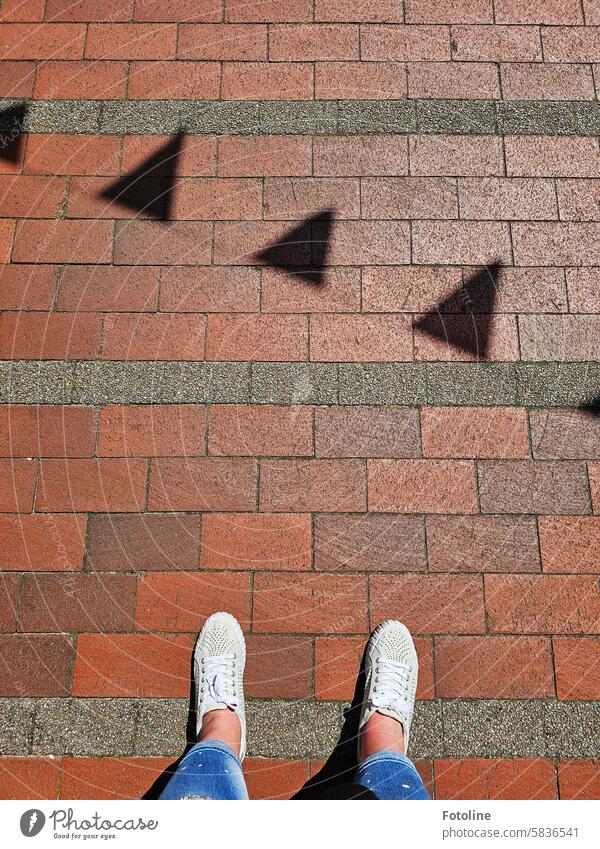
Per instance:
{"type": "Point", "coordinates": [219, 661]}
{"type": "Point", "coordinates": [391, 672]}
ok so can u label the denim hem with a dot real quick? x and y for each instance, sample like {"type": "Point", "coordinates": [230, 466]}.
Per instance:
{"type": "Point", "coordinates": [386, 755]}
{"type": "Point", "coordinates": [215, 746]}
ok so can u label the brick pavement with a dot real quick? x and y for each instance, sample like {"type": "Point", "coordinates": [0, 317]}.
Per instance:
{"type": "Point", "coordinates": [390, 414]}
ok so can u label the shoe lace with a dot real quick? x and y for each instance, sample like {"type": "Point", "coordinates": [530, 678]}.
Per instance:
{"type": "Point", "coordinates": [391, 686]}
{"type": "Point", "coordinates": [219, 679]}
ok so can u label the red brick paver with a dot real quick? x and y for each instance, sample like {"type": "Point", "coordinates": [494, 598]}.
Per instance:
{"type": "Point", "coordinates": [123, 526]}
{"type": "Point", "coordinates": [488, 779]}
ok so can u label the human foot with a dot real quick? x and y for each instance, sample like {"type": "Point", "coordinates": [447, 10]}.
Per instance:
{"type": "Point", "coordinates": [219, 661]}
{"type": "Point", "coordinates": [391, 671]}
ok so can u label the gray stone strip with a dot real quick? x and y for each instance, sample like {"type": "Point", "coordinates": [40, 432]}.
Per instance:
{"type": "Point", "coordinates": [463, 117]}
{"type": "Point", "coordinates": [294, 383]}
{"type": "Point", "coordinates": [344, 117]}
{"type": "Point", "coordinates": [63, 382]}
{"type": "Point", "coordinates": [299, 729]}
{"type": "Point", "coordinates": [566, 384]}
{"type": "Point", "coordinates": [377, 384]}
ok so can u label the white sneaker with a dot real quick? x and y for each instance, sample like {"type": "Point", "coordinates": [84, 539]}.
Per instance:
{"type": "Point", "coordinates": [391, 672]}
{"type": "Point", "coordinates": [219, 661]}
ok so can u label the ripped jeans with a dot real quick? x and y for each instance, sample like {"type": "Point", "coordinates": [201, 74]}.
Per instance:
{"type": "Point", "coordinates": [211, 770]}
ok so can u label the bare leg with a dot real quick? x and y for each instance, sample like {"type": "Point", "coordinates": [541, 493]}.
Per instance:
{"type": "Point", "coordinates": [224, 726]}
{"type": "Point", "coordinates": [380, 733]}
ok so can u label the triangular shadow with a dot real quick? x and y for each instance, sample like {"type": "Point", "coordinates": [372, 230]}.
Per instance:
{"type": "Point", "coordinates": [12, 121]}
{"type": "Point", "coordinates": [304, 249]}
{"type": "Point", "coordinates": [476, 298]}
{"type": "Point", "coordinates": [149, 189]}
{"type": "Point", "coordinates": [591, 407]}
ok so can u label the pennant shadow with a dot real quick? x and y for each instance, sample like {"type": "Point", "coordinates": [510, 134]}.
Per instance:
{"type": "Point", "coordinates": [591, 407]}
{"type": "Point", "coordinates": [303, 250]}
{"type": "Point", "coordinates": [149, 189]}
{"type": "Point", "coordinates": [12, 121]}
{"type": "Point", "coordinates": [475, 299]}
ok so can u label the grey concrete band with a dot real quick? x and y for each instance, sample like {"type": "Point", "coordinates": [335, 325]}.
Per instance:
{"type": "Point", "coordinates": [378, 384]}
{"type": "Point", "coordinates": [536, 728]}
{"type": "Point", "coordinates": [343, 117]}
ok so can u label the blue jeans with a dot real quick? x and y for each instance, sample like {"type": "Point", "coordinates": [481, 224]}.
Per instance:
{"type": "Point", "coordinates": [391, 775]}
{"type": "Point", "coordinates": [211, 770]}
